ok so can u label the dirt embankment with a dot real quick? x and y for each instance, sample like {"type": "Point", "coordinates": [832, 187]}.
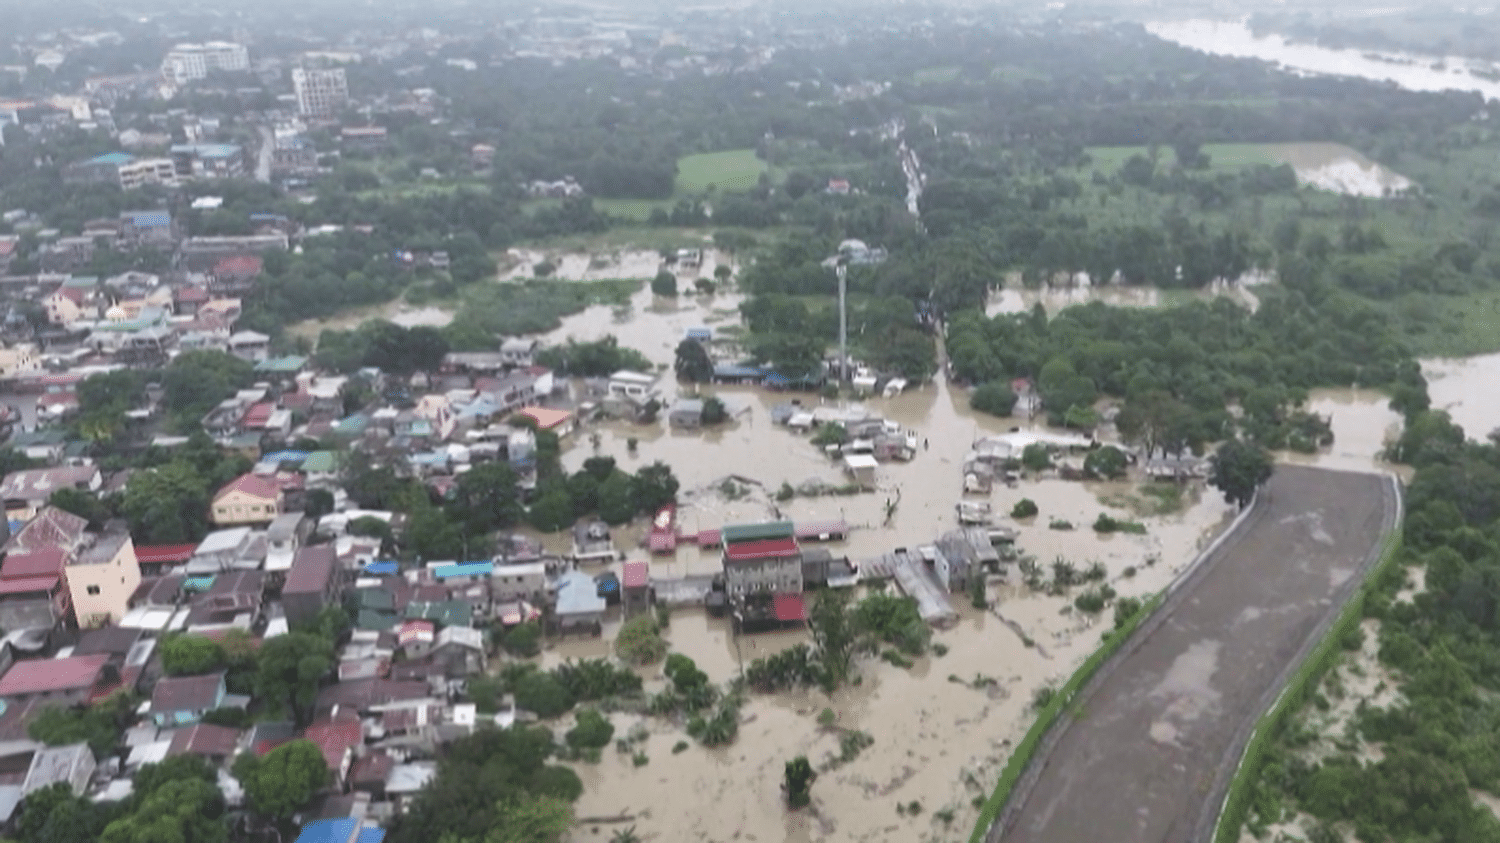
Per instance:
{"type": "Point", "coordinates": [1151, 742]}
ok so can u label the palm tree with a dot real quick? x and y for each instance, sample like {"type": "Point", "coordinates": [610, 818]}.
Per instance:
{"type": "Point", "coordinates": [625, 835]}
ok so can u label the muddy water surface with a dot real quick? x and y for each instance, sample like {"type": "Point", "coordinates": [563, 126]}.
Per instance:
{"type": "Point", "coordinates": [943, 728]}
{"type": "Point", "coordinates": [1465, 388]}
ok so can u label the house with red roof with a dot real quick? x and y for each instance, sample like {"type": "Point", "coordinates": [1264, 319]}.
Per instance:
{"type": "Point", "coordinates": [235, 275]}
{"type": "Point", "coordinates": [247, 499]}
{"type": "Point", "coordinates": [337, 737]}
{"type": "Point", "coordinates": [67, 681]}
{"type": "Point", "coordinates": [33, 589]}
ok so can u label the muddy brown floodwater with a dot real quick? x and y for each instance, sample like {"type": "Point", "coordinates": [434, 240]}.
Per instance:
{"type": "Point", "coordinates": [942, 729]}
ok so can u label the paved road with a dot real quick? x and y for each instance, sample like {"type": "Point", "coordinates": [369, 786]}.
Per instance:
{"type": "Point", "coordinates": [1160, 729]}
{"type": "Point", "coordinates": [264, 153]}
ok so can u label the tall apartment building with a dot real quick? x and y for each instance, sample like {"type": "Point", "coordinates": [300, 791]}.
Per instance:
{"type": "Point", "coordinates": [320, 93]}
{"type": "Point", "coordinates": [187, 62]}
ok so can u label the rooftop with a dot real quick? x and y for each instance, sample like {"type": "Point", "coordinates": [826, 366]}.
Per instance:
{"type": "Point", "coordinates": [312, 567]}
{"type": "Point", "coordinates": [250, 484]}
{"type": "Point", "coordinates": [186, 693]}
{"type": "Point", "coordinates": [735, 533]}
{"type": "Point", "coordinates": [40, 483]}
{"type": "Point", "coordinates": [104, 550]}
{"type": "Point", "coordinates": [765, 549]}
{"type": "Point", "coordinates": [37, 676]}
{"type": "Point", "coordinates": [47, 561]}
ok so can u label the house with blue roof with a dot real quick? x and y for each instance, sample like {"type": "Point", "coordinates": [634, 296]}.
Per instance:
{"type": "Point", "coordinates": [475, 571]}
{"type": "Point", "coordinates": [147, 228]}
{"type": "Point", "coordinates": [346, 830]}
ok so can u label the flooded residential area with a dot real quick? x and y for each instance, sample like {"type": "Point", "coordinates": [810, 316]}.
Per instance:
{"type": "Point", "coordinates": [954, 717]}
{"type": "Point", "coordinates": [454, 422]}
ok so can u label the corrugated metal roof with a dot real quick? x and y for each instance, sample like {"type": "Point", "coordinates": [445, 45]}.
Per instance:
{"type": "Point", "coordinates": [636, 574]}
{"type": "Point", "coordinates": [736, 533]}
{"type": "Point", "coordinates": [464, 569]}
{"type": "Point", "coordinates": [768, 549]}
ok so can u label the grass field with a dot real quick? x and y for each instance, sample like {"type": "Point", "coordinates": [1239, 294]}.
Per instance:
{"type": "Point", "coordinates": [730, 170]}
{"type": "Point", "coordinates": [1109, 159]}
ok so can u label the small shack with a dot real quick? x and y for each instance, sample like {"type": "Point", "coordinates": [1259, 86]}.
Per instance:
{"type": "Point", "coordinates": [686, 414]}
{"type": "Point", "coordinates": [636, 589]}
{"type": "Point", "coordinates": [578, 607]}
{"type": "Point", "coordinates": [861, 469]}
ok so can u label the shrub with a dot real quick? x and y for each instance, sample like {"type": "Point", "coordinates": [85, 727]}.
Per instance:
{"type": "Point", "coordinates": [1060, 524]}
{"type": "Point", "coordinates": [640, 641]}
{"type": "Point", "coordinates": [1024, 508]}
{"type": "Point", "coordinates": [1091, 601]}
{"type": "Point", "coordinates": [542, 693]}
{"type": "Point", "coordinates": [591, 731]}
{"type": "Point", "coordinates": [1105, 524]}
{"type": "Point", "coordinates": [679, 747]}
{"type": "Point", "coordinates": [523, 640]}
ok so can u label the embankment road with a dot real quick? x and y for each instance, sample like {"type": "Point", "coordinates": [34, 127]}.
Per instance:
{"type": "Point", "coordinates": [1149, 745]}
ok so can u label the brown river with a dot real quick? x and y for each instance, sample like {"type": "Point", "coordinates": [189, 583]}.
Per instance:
{"type": "Point", "coordinates": [943, 728]}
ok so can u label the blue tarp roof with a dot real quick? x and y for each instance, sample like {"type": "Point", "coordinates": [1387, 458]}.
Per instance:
{"type": "Point", "coordinates": [285, 456]}
{"type": "Point", "coordinates": [148, 219]}
{"type": "Point", "coordinates": [464, 569]}
{"type": "Point", "coordinates": [700, 333]}
{"type": "Point", "coordinates": [738, 371]}
{"type": "Point", "coordinates": [115, 158]}
{"type": "Point", "coordinates": [382, 569]}
{"type": "Point", "coordinates": [371, 835]}
{"type": "Point", "coordinates": [328, 831]}
{"type": "Point", "coordinates": [198, 583]}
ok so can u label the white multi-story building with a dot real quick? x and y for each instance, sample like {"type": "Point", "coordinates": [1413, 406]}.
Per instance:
{"type": "Point", "coordinates": [320, 93]}
{"type": "Point", "coordinates": [187, 62]}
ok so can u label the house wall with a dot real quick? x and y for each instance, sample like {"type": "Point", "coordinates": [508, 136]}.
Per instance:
{"type": "Point", "coordinates": [510, 585]}
{"type": "Point", "coordinates": [101, 593]}
{"type": "Point", "coordinates": [775, 575]}
{"type": "Point", "coordinates": [61, 310]}
{"type": "Point", "coordinates": [240, 508]}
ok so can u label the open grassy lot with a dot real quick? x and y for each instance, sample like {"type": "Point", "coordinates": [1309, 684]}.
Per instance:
{"type": "Point", "coordinates": [730, 170]}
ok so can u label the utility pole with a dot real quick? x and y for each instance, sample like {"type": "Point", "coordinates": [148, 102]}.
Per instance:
{"type": "Point", "coordinates": [843, 273]}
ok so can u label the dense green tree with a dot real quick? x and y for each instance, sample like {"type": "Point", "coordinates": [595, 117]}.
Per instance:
{"type": "Point", "coordinates": [653, 487]}
{"type": "Point", "coordinates": [995, 398]}
{"type": "Point", "coordinates": [639, 641]}
{"type": "Point", "coordinates": [617, 502]}
{"type": "Point", "coordinates": [83, 503]}
{"type": "Point", "coordinates": [664, 284]}
{"type": "Point", "coordinates": [166, 505]}
{"type": "Point", "coordinates": [714, 412]}
{"type": "Point", "coordinates": [692, 362]}
{"type": "Point", "coordinates": [486, 498]}
{"type": "Point", "coordinates": [196, 381]}
{"type": "Point", "coordinates": [597, 359]}
{"type": "Point", "coordinates": [542, 694]}
{"type": "Point", "coordinates": [289, 670]}
{"type": "Point", "coordinates": [1238, 469]}
{"type": "Point", "coordinates": [187, 655]}
{"type": "Point", "coordinates": [591, 730]}
{"type": "Point", "coordinates": [552, 510]}
{"type": "Point", "coordinates": [285, 779]}
{"type": "Point", "coordinates": [833, 631]}
{"type": "Point", "coordinates": [1106, 462]}
{"type": "Point", "coordinates": [181, 809]}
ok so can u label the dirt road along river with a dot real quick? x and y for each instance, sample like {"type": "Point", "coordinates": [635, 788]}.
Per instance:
{"type": "Point", "coordinates": [1150, 744]}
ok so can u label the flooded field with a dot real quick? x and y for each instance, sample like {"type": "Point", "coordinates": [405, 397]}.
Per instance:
{"type": "Point", "coordinates": [1464, 389]}
{"type": "Point", "coordinates": [1014, 298]}
{"type": "Point", "coordinates": [610, 265]}
{"type": "Point", "coordinates": [1338, 169]}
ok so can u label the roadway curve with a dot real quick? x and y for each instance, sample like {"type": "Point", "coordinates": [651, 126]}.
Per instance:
{"type": "Point", "coordinates": [1156, 735]}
